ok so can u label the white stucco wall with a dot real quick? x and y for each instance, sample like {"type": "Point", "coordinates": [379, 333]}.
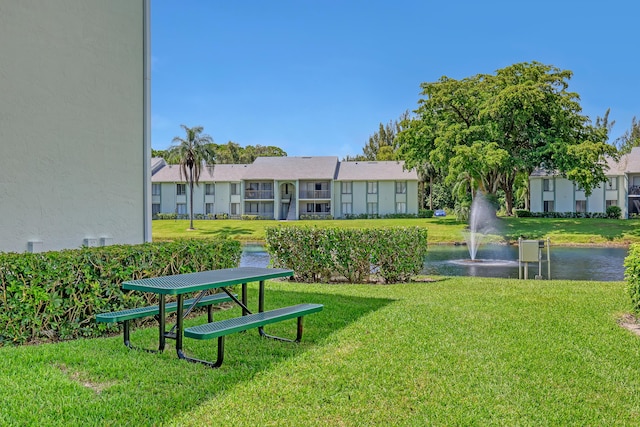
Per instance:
{"type": "Point", "coordinates": [72, 155]}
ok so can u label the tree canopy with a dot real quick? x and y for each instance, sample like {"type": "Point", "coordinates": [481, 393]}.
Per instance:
{"type": "Point", "coordinates": [631, 137]}
{"type": "Point", "coordinates": [488, 128]}
{"type": "Point", "coordinates": [233, 153]}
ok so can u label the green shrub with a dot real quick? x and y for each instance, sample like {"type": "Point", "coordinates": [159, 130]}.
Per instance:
{"type": "Point", "coordinates": [523, 213]}
{"type": "Point", "coordinates": [425, 213]}
{"type": "Point", "coordinates": [632, 276]}
{"type": "Point", "coordinates": [56, 295]}
{"type": "Point", "coordinates": [614, 212]}
{"type": "Point", "coordinates": [315, 217]}
{"type": "Point", "coordinates": [327, 254]}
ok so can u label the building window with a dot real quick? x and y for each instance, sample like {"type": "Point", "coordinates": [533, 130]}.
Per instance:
{"type": "Point", "coordinates": [347, 209]}
{"type": "Point", "coordinates": [611, 203]}
{"type": "Point", "coordinates": [235, 209]}
{"type": "Point", "coordinates": [181, 208]}
{"type": "Point", "coordinates": [235, 189]}
{"type": "Point", "coordinates": [401, 187]}
{"type": "Point", "coordinates": [548, 206]}
{"type": "Point", "coordinates": [155, 208]}
{"type": "Point", "coordinates": [318, 208]}
{"type": "Point", "coordinates": [181, 189]}
{"type": "Point", "coordinates": [372, 188]}
{"type": "Point", "coordinates": [346, 187]}
{"type": "Point", "coordinates": [612, 183]}
{"type": "Point", "coordinates": [208, 208]}
{"type": "Point", "coordinates": [581, 205]}
{"type": "Point", "coordinates": [547, 185]}
{"type": "Point", "coordinates": [401, 207]}
{"type": "Point", "coordinates": [209, 189]}
{"type": "Point", "coordinates": [372, 208]}
{"type": "Point", "coordinates": [155, 189]}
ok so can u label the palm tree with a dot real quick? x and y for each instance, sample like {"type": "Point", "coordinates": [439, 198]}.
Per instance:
{"type": "Point", "coordinates": [191, 153]}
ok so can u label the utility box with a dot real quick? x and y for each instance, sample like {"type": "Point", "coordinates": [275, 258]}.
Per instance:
{"type": "Point", "coordinates": [531, 251]}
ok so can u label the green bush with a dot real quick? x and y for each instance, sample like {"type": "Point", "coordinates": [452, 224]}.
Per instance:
{"type": "Point", "coordinates": [56, 295]}
{"type": "Point", "coordinates": [614, 212]}
{"type": "Point", "coordinates": [523, 213]}
{"type": "Point", "coordinates": [327, 254]}
{"type": "Point", "coordinates": [425, 213]}
{"type": "Point", "coordinates": [632, 276]}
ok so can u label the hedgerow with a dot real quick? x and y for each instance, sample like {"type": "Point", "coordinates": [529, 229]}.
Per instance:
{"type": "Point", "coordinates": [356, 255]}
{"type": "Point", "coordinates": [632, 276]}
{"type": "Point", "coordinates": [56, 295]}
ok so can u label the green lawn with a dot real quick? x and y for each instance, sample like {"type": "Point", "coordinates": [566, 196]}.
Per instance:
{"type": "Point", "coordinates": [459, 351]}
{"type": "Point", "coordinates": [441, 230]}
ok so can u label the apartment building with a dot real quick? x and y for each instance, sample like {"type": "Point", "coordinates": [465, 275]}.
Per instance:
{"type": "Point", "coordinates": [552, 193]}
{"type": "Point", "coordinates": [290, 188]}
{"type": "Point", "coordinates": [74, 124]}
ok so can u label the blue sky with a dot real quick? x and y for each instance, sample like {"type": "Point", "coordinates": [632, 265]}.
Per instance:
{"type": "Point", "coordinates": [316, 77]}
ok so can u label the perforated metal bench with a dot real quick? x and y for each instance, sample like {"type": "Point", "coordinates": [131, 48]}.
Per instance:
{"type": "Point", "coordinates": [127, 315]}
{"type": "Point", "coordinates": [222, 328]}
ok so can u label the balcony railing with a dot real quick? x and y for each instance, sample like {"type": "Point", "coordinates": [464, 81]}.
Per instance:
{"type": "Point", "coordinates": [258, 194]}
{"type": "Point", "coordinates": [315, 194]}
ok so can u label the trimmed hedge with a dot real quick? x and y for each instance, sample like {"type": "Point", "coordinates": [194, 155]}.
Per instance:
{"type": "Point", "coordinates": [632, 276]}
{"type": "Point", "coordinates": [56, 295]}
{"type": "Point", "coordinates": [329, 254]}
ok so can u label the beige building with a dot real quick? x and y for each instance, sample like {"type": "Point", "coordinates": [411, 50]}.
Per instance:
{"type": "Point", "coordinates": [290, 188]}
{"type": "Point", "coordinates": [74, 123]}
{"type": "Point", "coordinates": [552, 193]}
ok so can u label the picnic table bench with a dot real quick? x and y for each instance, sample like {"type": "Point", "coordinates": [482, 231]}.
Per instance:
{"type": "Point", "coordinates": [125, 316]}
{"type": "Point", "coordinates": [203, 282]}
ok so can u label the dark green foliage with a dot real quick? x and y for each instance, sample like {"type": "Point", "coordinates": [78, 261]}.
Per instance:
{"type": "Point", "coordinates": [523, 213]}
{"type": "Point", "coordinates": [425, 213]}
{"type": "Point", "coordinates": [55, 295]}
{"type": "Point", "coordinates": [632, 276]}
{"type": "Point", "coordinates": [614, 212]}
{"type": "Point", "coordinates": [326, 254]}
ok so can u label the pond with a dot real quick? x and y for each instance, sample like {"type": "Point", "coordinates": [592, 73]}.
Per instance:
{"type": "Point", "coordinates": [567, 263]}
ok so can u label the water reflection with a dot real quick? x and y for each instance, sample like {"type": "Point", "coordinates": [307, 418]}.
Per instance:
{"type": "Point", "coordinates": [569, 263]}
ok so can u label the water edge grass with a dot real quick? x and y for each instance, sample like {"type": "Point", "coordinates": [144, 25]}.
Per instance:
{"type": "Point", "coordinates": [561, 231]}
{"type": "Point", "coordinates": [458, 351]}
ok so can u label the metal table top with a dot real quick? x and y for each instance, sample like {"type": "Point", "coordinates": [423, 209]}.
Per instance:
{"type": "Point", "coordinates": [190, 282]}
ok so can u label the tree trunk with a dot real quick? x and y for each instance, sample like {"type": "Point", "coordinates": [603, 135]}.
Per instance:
{"type": "Point", "coordinates": [191, 198]}
{"type": "Point", "coordinates": [430, 193]}
{"type": "Point", "coordinates": [508, 201]}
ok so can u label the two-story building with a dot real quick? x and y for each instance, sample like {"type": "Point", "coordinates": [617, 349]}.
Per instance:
{"type": "Point", "coordinates": [552, 193]}
{"type": "Point", "coordinates": [290, 188]}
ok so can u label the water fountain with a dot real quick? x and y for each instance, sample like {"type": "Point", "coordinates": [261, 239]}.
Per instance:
{"type": "Point", "coordinates": [482, 221]}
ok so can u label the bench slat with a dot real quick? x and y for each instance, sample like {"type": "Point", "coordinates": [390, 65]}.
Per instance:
{"type": "Point", "coordinates": [229, 326]}
{"type": "Point", "coordinates": [136, 313]}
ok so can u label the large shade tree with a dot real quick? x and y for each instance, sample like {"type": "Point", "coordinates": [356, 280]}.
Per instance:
{"type": "Point", "coordinates": [192, 152]}
{"type": "Point", "coordinates": [488, 128]}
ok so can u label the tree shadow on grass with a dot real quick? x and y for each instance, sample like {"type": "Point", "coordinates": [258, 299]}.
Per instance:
{"type": "Point", "coordinates": [228, 231]}
{"type": "Point", "coordinates": [162, 380]}
{"type": "Point", "coordinates": [538, 228]}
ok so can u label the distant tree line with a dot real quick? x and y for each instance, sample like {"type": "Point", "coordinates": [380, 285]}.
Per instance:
{"type": "Point", "coordinates": [229, 153]}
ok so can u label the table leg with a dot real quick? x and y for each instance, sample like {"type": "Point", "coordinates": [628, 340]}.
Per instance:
{"type": "Point", "coordinates": [261, 297]}
{"type": "Point", "coordinates": [161, 321]}
{"type": "Point", "coordinates": [179, 324]}
{"type": "Point", "coordinates": [244, 299]}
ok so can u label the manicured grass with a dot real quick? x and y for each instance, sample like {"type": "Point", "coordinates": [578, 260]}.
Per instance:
{"type": "Point", "coordinates": [460, 351]}
{"type": "Point", "coordinates": [441, 230]}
